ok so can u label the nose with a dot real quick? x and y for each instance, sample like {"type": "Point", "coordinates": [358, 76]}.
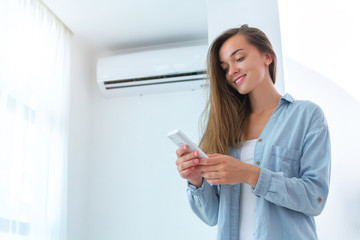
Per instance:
{"type": "Point", "coordinates": [233, 69]}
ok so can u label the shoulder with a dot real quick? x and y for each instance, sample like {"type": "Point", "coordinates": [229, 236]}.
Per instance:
{"type": "Point", "coordinates": [308, 111]}
{"type": "Point", "coordinates": [306, 106]}
{"type": "Point", "coordinates": [301, 106]}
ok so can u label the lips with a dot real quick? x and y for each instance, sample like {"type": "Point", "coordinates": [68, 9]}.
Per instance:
{"type": "Point", "coordinates": [239, 80]}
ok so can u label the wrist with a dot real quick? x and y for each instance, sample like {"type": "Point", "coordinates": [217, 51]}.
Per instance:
{"type": "Point", "coordinates": [197, 182]}
{"type": "Point", "coordinates": [253, 177]}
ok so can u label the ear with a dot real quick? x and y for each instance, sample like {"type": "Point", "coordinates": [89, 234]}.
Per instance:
{"type": "Point", "coordinates": [268, 59]}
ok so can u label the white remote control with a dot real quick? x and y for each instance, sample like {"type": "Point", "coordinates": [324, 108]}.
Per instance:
{"type": "Point", "coordinates": [180, 139]}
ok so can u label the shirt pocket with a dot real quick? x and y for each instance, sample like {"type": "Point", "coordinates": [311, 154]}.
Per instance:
{"type": "Point", "coordinates": [286, 160]}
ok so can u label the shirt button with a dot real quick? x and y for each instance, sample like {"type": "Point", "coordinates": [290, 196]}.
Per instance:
{"type": "Point", "coordinates": [319, 199]}
{"type": "Point", "coordinates": [257, 162]}
{"type": "Point", "coordinates": [260, 140]}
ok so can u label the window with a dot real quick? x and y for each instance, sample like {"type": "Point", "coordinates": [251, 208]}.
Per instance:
{"type": "Point", "coordinates": [34, 92]}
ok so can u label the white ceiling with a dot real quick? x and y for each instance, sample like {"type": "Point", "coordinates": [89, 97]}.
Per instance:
{"type": "Point", "coordinates": [125, 24]}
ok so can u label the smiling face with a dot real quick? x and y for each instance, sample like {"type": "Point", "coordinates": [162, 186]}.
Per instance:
{"type": "Point", "coordinates": [244, 66]}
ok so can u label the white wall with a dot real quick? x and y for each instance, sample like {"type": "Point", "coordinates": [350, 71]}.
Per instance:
{"type": "Point", "coordinates": [134, 189]}
{"type": "Point", "coordinates": [122, 178]}
{"type": "Point", "coordinates": [123, 182]}
{"type": "Point", "coordinates": [79, 134]}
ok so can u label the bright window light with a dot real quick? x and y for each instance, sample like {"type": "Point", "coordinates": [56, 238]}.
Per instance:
{"type": "Point", "coordinates": [324, 36]}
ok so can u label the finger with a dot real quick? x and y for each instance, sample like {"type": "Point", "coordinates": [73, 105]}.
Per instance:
{"type": "Point", "coordinates": [209, 168]}
{"type": "Point", "coordinates": [210, 175]}
{"type": "Point", "coordinates": [209, 161]}
{"type": "Point", "coordinates": [216, 181]}
{"type": "Point", "coordinates": [186, 157]}
{"type": "Point", "coordinates": [185, 173]}
{"type": "Point", "coordinates": [187, 164]}
{"type": "Point", "coordinates": [181, 150]}
{"type": "Point", "coordinates": [213, 155]}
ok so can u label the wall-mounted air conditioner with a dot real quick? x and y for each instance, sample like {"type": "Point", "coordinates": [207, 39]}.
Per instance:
{"type": "Point", "coordinates": [155, 71]}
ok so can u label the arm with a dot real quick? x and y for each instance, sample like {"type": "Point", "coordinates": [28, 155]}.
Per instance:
{"type": "Point", "coordinates": [308, 192]}
{"type": "Point", "coordinates": [203, 198]}
{"type": "Point", "coordinates": [204, 202]}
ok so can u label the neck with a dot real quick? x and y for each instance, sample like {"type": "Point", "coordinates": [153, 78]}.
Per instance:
{"type": "Point", "coordinates": [264, 97]}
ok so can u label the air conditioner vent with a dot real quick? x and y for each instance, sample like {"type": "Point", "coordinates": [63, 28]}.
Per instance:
{"type": "Point", "coordinates": [181, 68]}
{"type": "Point", "coordinates": [158, 77]}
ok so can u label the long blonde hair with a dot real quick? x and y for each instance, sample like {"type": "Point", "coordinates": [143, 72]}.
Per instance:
{"type": "Point", "coordinates": [225, 117]}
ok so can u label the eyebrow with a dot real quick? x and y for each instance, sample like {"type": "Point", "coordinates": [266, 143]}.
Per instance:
{"type": "Point", "coordinates": [240, 49]}
{"type": "Point", "coordinates": [233, 53]}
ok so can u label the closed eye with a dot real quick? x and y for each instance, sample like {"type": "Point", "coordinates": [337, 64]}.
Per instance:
{"type": "Point", "coordinates": [240, 59]}
{"type": "Point", "coordinates": [224, 67]}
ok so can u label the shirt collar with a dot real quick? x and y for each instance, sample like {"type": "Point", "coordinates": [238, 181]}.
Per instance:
{"type": "Point", "coordinates": [287, 97]}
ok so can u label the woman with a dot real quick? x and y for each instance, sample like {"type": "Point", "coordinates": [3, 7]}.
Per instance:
{"type": "Point", "coordinates": [270, 174]}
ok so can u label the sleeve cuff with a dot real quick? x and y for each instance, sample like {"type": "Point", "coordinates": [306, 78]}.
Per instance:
{"type": "Point", "coordinates": [201, 189]}
{"type": "Point", "coordinates": [263, 183]}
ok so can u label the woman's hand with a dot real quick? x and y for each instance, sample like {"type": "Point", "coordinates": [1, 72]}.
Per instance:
{"type": "Point", "coordinates": [223, 169]}
{"type": "Point", "coordinates": [186, 165]}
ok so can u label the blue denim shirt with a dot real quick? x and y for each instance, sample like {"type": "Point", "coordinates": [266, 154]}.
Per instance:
{"type": "Point", "coordinates": [293, 153]}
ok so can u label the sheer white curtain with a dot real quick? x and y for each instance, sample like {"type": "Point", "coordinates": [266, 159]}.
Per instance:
{"type": "Point", "coordinates": [34, 93]}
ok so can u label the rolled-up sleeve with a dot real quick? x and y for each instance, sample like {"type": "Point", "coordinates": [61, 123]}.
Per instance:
{"type": "Point", "coordinates": [308, 192]}
{"type": "Point", "coordinates": [204, 202]}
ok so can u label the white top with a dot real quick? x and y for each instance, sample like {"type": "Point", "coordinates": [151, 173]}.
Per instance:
{"type": "Point", "coordinates": [247, 198]}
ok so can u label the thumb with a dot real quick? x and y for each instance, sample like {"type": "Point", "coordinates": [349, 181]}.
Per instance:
{"type": "Point", "coordinates": [213, 155]}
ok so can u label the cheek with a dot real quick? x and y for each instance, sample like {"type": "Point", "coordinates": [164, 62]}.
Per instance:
{"type": "Point", "coordinates": [253, 64]}
{"type": "Point", "coordinates": [227, 78]}
{"type": "Point", "coordinates": [258, 68]}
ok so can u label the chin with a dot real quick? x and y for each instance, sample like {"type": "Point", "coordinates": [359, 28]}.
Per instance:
{"type": "Point", "coordinates": [242, 91]}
